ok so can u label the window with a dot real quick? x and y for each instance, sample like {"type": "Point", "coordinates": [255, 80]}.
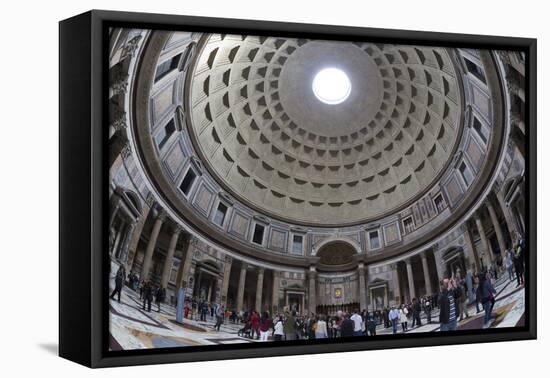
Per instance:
{"type": "Point", "coordinates": [297, 244]}
{"type": "Point", "coordinates": [221, 212]}
{"type": "Point", "coordinates": [164, 135]}
{"type": "Point", "coordinates": [188, 181]}
{"type": "Point", "coordinates": [374, 240]}
{"type": "Point", "coordinates": [466, 173]}
{"type": "Point", "coordinates": [481, 130]}
{"type": "Point", "coordinates": [475, 70]}
{"type": "Point", "coordinates": [408, 225]}
{"type": "Point", "coordinates": [439, 203]}
{"type": "Point", "coordinates": [167, 66]}
{"type": "Point", "coordinates": [258, 236]}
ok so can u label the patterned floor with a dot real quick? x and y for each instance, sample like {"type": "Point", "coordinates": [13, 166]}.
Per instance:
{"type": "Point", "coordinates": [133, 328]}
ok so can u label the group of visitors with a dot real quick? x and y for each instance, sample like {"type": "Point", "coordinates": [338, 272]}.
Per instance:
{"type": "Point", "coordinates": [147, 291]}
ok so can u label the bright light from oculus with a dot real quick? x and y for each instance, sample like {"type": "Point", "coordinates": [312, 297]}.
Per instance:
{"type": "Point", "coordinates": [331, 86]}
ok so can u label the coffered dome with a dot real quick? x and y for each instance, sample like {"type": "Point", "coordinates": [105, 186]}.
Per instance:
{"type": "Point", "coordinates": [268, 139]}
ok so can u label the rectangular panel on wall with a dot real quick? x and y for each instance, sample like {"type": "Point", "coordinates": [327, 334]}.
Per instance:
{"type": "Point", "coordinates": [453, 189]}
{"type": "Point", "coordinates": [474, 152]}
{"type": "Point", "coordinates": [203, 199]}
{"type": "Point", "coordinates": [162, 102]}
{"type": "Point", "coordinates": [174, 160]}
{"type": "Point", "coordinates": [239, 224]}
{"type": "Point", "coordinates": [278, 239]}
{"type": "Point", "coordinates": [392, 234]}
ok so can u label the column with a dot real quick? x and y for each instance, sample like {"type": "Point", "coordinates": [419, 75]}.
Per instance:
{"type": "Point", "coordinates": [411, 279]}
{"type": "Point", "coordinates": [259, 289]}
{"type": "Point", "coordinates": [472, 253]}
{"type": "Point", "coordinates": [124, 252]}
{"type": "Point", "coordinates": [510, 222]}
{"type": "Point", "coordinates": [169, 257]}
{"type": "Point", "coordinates": [185, 265]}
{"type": "Point", "coordinates": [427, 281]}
{"type": "Point", "coordinates": [439, 265]}
{"type": "Point", "coordinates": [396, 287]}
{"type": "Point", "coordinates": [115, 206]}
{"type": "Point", "coordinates": [275, 293]}
{"type": "Point", "coordinates": [484, 241]}
{"type": "Point", "coordinates": [226, 277]}
{"type": "Point", "coordinates": [362, 286]}
{"type": "Point", "coordinates": [240, 289]}
{"type": "Point", "coordinates": [312, 292]}
{"type": "Point", "coordinates": [498, 230]}
{"type": "Point", "coordinates": [151, 247]}
{"type": "Point", "coordinates": [136, 234]}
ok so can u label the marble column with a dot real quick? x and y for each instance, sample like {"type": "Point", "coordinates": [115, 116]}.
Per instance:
{"type": "Point", "coordinates": [226, 278]}
{"type": "Point", "coordinates": [312, 275]}
{"type": "Point", "coordinates": [427, 281]}
{"type": "Point", "coordinates": [259, 289]}
{"type": "Point", "coordinates": [362, 286]}
{"type": "Point", "coordinates": [136, 234]}
{"type": "Point", "coordinates": [472, 252]}
{"type": "Point", "coordinates": [396, 287]}
{"type": "Point", "coordinates": [115, 206]}
{"type": "Point", "coordinates": [145, 269]}
{"type": "Point", "coordinates": [410, 277]}
{"type": "Point", "coordinates": [240, 289]}
{"type": "Point", "coordinates": [275, 293]}
{"type": "Point", "coordinates": [169, 258]}
{"type": "Point", "coordinates": [185, 265]}
{"type": "Point", "coordinates": [498, 229]}
{"type": "Point", "coordinates": [484, 241]}
{"type": "Point", "coordinates": [510, 221]}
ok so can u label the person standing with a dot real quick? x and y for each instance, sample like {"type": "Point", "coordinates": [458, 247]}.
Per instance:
{"type": "Point", "coordinates": [159, 296]}
{"type": "Point", "coordinates": [447, 307]}
{"type": "Point", "coordinates": [119, 282]}
{"type": "Point", "coordinates": [265, 325]}
{"type": "Point", "coordinates": [321, 328]}
{"type": "Point", "coordinates": [357, 321]}
{"type": "Point", "coordinates": [347, 326]}
{"type": "Point", "coordinates": [403, 312]}
{"type": "Point", "coordinates": [394, 318]}
{"type": "Point", "coordinates": [428, 310]}
{"type": "Point", "coordinates": [518, 264]}
{"type": "Point", "coordinates": [147, 296]}
{"type": "Point", "coordinates": [289, 326]}
{"type": "Point", "coordinates": [416, 310]}
{"type": "Point", "coordinates": [255, 324]}
{"type": "Point", "coordinates": [278, 329]}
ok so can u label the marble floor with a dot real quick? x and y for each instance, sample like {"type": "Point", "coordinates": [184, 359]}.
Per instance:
{"type": "Point", "coordinates": [133, 328]}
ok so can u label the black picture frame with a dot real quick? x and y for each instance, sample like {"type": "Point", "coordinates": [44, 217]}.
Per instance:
{"type": "Point", "coordinates": [83, 193]}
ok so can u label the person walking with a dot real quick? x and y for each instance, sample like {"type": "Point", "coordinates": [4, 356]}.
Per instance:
{"type": "Point", "coordinates": [486, 293]}
{"type": "Point", "coordinates": [119, 282]}
{"type": "Point", "coordinates": [255, 324]}
{"type": "Point", "coordinates": [220, 311]}
{"type": "Point", "coordinates": [416, 310]}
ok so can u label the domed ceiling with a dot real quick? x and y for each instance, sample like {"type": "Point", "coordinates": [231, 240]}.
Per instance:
{"type": "Point", "coordinates": [268, 140]}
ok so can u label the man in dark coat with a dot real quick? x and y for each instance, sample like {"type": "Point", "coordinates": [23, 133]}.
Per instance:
{"type": "Point", "coordinates": [119, 282]}
{"type": "Point", "coordinates": [160, 295]}
{"type": "Point", "coordinates": [147, 295]}
{"type": "Point", "coordinates": [416, 310]}
{"type": "Point", "coordinates": [346, 328]}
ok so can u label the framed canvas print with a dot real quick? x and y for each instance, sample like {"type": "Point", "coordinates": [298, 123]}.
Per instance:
{"type": "Point", "coordinates": [234, 188]}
